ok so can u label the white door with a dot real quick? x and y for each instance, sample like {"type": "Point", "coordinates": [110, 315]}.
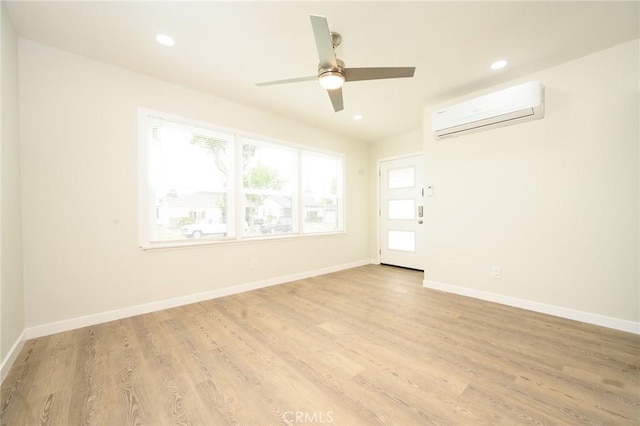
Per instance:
{"type": "Point", "coordinates": [401, 212]}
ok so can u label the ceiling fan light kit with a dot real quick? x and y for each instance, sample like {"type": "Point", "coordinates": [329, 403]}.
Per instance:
{"type": "Point", "coordinates": [331, 80]}
{"type": "Point", "coordinates": [332, 73]}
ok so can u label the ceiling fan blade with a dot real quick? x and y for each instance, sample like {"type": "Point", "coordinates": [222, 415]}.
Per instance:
{"type": "Point", "coordinates": [324, 43]}
{"type": "Point", "coordinates": [289, 80]}
{"type": "Point", "coordinates": [336, 99]}
{"type": "Point", "coordinates": [357, 74]}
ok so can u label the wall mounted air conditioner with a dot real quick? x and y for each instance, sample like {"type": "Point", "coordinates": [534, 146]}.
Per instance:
{"type": "Point", "coordinates": [516, 104]}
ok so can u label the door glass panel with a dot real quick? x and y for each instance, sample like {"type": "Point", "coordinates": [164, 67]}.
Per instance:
{"type": "Point", "coordinates": [402, 240]}
{"type": "Point", "coordinates": [402, 178]}
{"type": "Point", "coordinates": [402, 209]}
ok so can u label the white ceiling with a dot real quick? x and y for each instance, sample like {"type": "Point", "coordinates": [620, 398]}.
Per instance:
{"type": "Point", "coordinates": [223, 48]}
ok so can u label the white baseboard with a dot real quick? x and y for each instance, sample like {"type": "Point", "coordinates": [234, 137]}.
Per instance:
{"type": "Point", "coordinates": [558, 311]}
{"type": "Point", "coordinates": [85, 321]}
{"type": "Point", "coordinates": [8, 360]}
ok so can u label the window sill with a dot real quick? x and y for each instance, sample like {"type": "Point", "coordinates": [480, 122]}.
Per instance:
{"type": "Point", "coordinates": [180, 244]}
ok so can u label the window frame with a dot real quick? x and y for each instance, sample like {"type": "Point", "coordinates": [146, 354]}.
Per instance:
{"type": "Point", "coordinates": [236, 202]}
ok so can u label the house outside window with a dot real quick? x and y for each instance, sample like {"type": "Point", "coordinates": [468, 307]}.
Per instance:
{"type": "Point", "coordinates": [199, 182]}
{"type": "Point", "coordinates": [269, 187]}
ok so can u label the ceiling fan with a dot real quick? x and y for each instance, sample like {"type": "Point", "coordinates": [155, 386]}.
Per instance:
{"type": "Point", "coordinates": [332, 73]}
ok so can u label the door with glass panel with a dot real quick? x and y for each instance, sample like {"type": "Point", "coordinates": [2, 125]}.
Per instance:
{"type": "Point", "coordinates": [401, 212]}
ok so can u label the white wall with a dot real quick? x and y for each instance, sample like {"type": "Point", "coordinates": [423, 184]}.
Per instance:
{"type": "Point", "coordinates": [79, 148]}
{"type": "Point", "coordinates": [11, 284]}
{"type": "Point", "coordinates": [554, 202]}
{"type": "Point", "coordinates": [404, 144]}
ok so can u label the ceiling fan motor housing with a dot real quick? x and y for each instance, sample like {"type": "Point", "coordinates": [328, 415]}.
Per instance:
{"type": "Point", "coordinates": [331, 78]}
{"type": "Point", "coordinates": [339, 69]}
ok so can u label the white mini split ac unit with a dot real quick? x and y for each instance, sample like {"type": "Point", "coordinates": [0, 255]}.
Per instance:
{"type": "Point", "coordinates": [516, 104]}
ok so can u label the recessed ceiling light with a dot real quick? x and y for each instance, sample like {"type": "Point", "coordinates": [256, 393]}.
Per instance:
{"type": "Point", "coordinates": [499, 64]}
{"type": "Point", "coordinates": [357, 117]}
{"type": "Point", "coordinates": [165, 40]}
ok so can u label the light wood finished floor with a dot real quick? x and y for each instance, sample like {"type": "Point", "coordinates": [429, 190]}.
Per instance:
{"type": "Point", "coordinates": [364, 346]}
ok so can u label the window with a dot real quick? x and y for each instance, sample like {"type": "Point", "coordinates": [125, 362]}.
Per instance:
{"type": "Point", "coordinates": [321, 192]}
{"type": "Point", "coordinates": [199, 182]}
{"type": "Point", "coordinates": [268, 180]}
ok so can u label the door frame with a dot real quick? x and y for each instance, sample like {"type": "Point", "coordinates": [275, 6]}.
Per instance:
{"type": "Point", "coordinates": [378, 205]}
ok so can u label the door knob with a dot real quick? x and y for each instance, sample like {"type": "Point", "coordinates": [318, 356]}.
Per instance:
{"type": "Point", "coordinates": [420, 222]}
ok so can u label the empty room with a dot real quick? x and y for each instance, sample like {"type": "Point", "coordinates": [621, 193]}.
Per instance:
{"type": "Point", "coordinates": [341, 212]}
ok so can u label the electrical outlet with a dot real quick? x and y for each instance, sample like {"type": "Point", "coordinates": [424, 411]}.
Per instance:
{"type": "Point", "coordinates": [496, 272]}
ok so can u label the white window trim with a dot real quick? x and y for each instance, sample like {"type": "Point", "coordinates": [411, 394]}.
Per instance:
{"type": "Point", "coordinates": [145, 223]}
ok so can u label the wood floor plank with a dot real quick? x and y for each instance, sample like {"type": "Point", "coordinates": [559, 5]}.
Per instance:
{"type": "Point", "coordinates": [363, 346]}
{"type": "Point", "coordinates": [88, 381]}
{"type": "Point", "coordinates": [284, 364]}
